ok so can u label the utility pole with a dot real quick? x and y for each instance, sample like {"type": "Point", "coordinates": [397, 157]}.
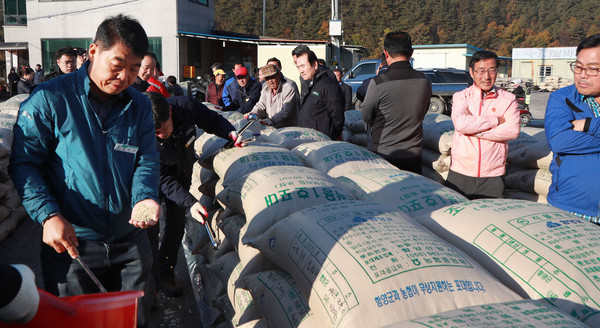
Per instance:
{"type": "Point", "coordinates": [264, 10]}
{"type": "Point", "coordinates": [335, 31]}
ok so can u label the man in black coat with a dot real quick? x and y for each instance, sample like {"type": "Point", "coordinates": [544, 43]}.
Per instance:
{"type": "Point", "coordinates": [322, 107]}
{"type": "Point", "coordinates": [346, 89]}
{"type": "Point", "coordinates": [176, 119]}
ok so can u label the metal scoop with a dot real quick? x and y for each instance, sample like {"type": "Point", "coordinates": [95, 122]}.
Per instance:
{"type": "Point", "coordinates": [91, 274]}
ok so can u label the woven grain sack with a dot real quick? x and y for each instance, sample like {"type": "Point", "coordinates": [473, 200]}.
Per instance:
{"type": "Point", "coordinates": [232, 164]}
{"type": "Point", "coordinates": [335, 158]}
{"type": "Point", "coordinates": [272, 193]}
{"type": "Point", "coordinates": [351, 116]}
{"type": "Point", "coordinates": [539, 251]}
{"type": "Point", "coordinates": [362, 264]}
{"type": "Point", "coordinates": [433, 159]}
{"type": "Point", "coordinates": [408, 192]}
{"type": "Point", "coordinates": [431, 174]}
{"type": "Point", "coordinates": [260, 323]}
{"type": "Point", "coordinates": [203, 181]}
{"type": "Point", "coordinates": [223, 267]}
{"type": "Point", "coordinates": [243, 304]}
{"type": "Point", "coordinates": [517, 194]}
{"type": "Point", "coordinates": [8, 117]}
{"type": "Point", "coordinates": [230, 224]}
{"type": "Point", "coordinates": [361, 139]}
{"type": "Point", "coordinates": [431, 118]}
{"type": "Point", "coordinates": [536, 156]}
{"type": "Point", "coordinates": [279, 299]}
{"type": "Point", "coordinates": [521, 141]}
{"type": "Point", "coordinates": [251, 257]}
{"type": "Point", "coordinates": [517, 314]}
{"type": "Point", "coordinates": [290, 137]}
{"type": "Point", "coordinates": [536, 181]}
{"type": "Point", "coordinates": [438, 136]}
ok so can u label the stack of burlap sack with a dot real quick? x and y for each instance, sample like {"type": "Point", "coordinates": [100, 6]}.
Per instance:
{"type": "Point", "coordinates": [437, 143]}
{"type": "Point", "coordinates": [321, 233]}
{"type": "Point", "coordinates": [529, 157]}
{"type": "Point", "coordinates": [11, 209]}
{"type": "Point", "coordinates": [355, 129]}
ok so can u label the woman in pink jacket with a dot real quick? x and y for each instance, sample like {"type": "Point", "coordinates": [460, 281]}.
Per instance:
{"type": "Point", "coordinates": [485, 118]}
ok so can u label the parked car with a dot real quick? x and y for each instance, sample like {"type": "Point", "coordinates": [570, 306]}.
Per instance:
{"type": "Point", "coordinates": [444, 82]}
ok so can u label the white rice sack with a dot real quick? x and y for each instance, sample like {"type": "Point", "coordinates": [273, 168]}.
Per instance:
{"type": "Point", "coordinates": [243, 304]}
{"type": "Point", "coordinates": [362, 264]}
{"type": "Point", "coordinates": [232, 164]}
{"type": "Point", "coordinates": [539, 251]}
{"type": "Point", "coordinates": [435, 160]}
{"type": "Point", "coordinates": [292, 136]}
{"type": "Point", "coordinates": [272, 193]}
{"type": "Point", "coordinates": [536, 156]}
{"type": "Point", "coordinates": [8, 117]}
{"type": "Point", "coordinates": [278, 299]}
{"type": "Point", "coordinates": [536, 181]}
{"type": "Point", "coordinates": [359, 126]}
{"type": "Point", "coordinates": [431, 174]}
{"type": "Point", "coordinates": [517, 314]}
{"type": "Point", "coordinates": [230, 224]}
{"type": "Point", "coordinates": [431, 118]}
{"type": "Point", "coordinates": [408, 192]}
{"type": "Point", "coordinates": [335, 158]}
{"type": "Point", "coordinates": [517, 194]}
{"type": "Point", "coordinates": [438, 136]}
{"type": "Point", "coordinates": [361, 139]}
{"type": "Point", "coordinates": [351, 116]}
{"type": "Point", "coordinates": [207, 145]}
{"type": "Point", "coordinates": [521, 141]}
{"type": "Point", "coordinates": [260, 323]}
{"type": "Point", "coordinates": [224, 266]}
{"type": "Point", "coordinates": [347, 134]}
{"type": "Point", "coordinates": [203, 181]}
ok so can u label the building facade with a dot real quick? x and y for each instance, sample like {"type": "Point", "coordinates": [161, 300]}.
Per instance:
{"type": "Point", "coordinates": [543, 64]}
{"type": "Point", "coordinates": [43, 26]}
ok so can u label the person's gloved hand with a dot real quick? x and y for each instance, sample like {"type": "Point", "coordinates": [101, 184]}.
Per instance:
{"type": "Point", "coordinates": [233, 135]}
{"type": "Point", "coordinates": [198, 212]}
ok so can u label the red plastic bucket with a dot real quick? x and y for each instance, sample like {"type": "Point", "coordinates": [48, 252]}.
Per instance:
{"type": "Point", "coordinates": [104, 310]}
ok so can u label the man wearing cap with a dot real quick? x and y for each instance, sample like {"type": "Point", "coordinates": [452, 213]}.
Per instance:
{"type": "Point", "coordinates": [214, 91]}
{"type": "Point", "coordinates": [226, 96]}
{"type": "Point", "coordinates": [244, 94]}
{"type": "Point", "coordinates": [279, 100]}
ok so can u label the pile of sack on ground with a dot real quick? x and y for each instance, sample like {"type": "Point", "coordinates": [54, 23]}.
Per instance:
{"type": "Point", "coordinates": [504, 82]}
{"type": "Point", "coordinates": [553, 83]}
{"type": "Point", "coordinates": [319, 233]}
{"type": "Point", "coordinates": [11, 209]}
{"type": "Point", "coordinates": [355, 129]}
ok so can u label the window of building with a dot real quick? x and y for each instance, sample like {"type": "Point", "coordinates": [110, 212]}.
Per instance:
{"type": "Point", "coordinates": [49, 47]}
{"type": "Point", "coordinates": [155, 46]}
{"type": "Point", "coordinates": [202, 2]}
{"type": "Point", "coordinates": [545, 71]}
{"type": "Point", "coordinates": [15, 12]}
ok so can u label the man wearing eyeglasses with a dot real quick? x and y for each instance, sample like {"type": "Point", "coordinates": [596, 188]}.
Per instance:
{"type": "Point", "coordinates": [485, 118]}
{"type": "Point", "coordinates": [573, 131]}
{"type": "Point", "coordinates": [66, 60]}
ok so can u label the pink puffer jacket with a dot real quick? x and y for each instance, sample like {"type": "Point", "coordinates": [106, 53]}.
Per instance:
{"type": "Point", "coordinates": [480, 144]}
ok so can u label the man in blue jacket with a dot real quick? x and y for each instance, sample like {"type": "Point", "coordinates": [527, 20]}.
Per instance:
{"type": "Point", "coordinates": [572, 125]}
{"type": "Point", "coordinates": [84, 160]}
{"type": "Point", "coordinates": [176, 119]}
{"type": "Point", "coordinates": [244, 92]}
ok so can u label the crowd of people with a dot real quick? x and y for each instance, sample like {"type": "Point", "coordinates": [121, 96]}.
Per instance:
{"type": "Point", "coordinates": [85, 169]}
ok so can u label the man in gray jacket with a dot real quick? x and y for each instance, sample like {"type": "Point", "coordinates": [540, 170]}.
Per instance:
{"type": "Point", "coordinates": [395, 105]}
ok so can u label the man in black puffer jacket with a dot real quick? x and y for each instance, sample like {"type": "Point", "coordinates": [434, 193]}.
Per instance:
{"type": "Point", "coordinates": [322, 107]}
{"type": "Point", "coordinates": [175, 119]}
